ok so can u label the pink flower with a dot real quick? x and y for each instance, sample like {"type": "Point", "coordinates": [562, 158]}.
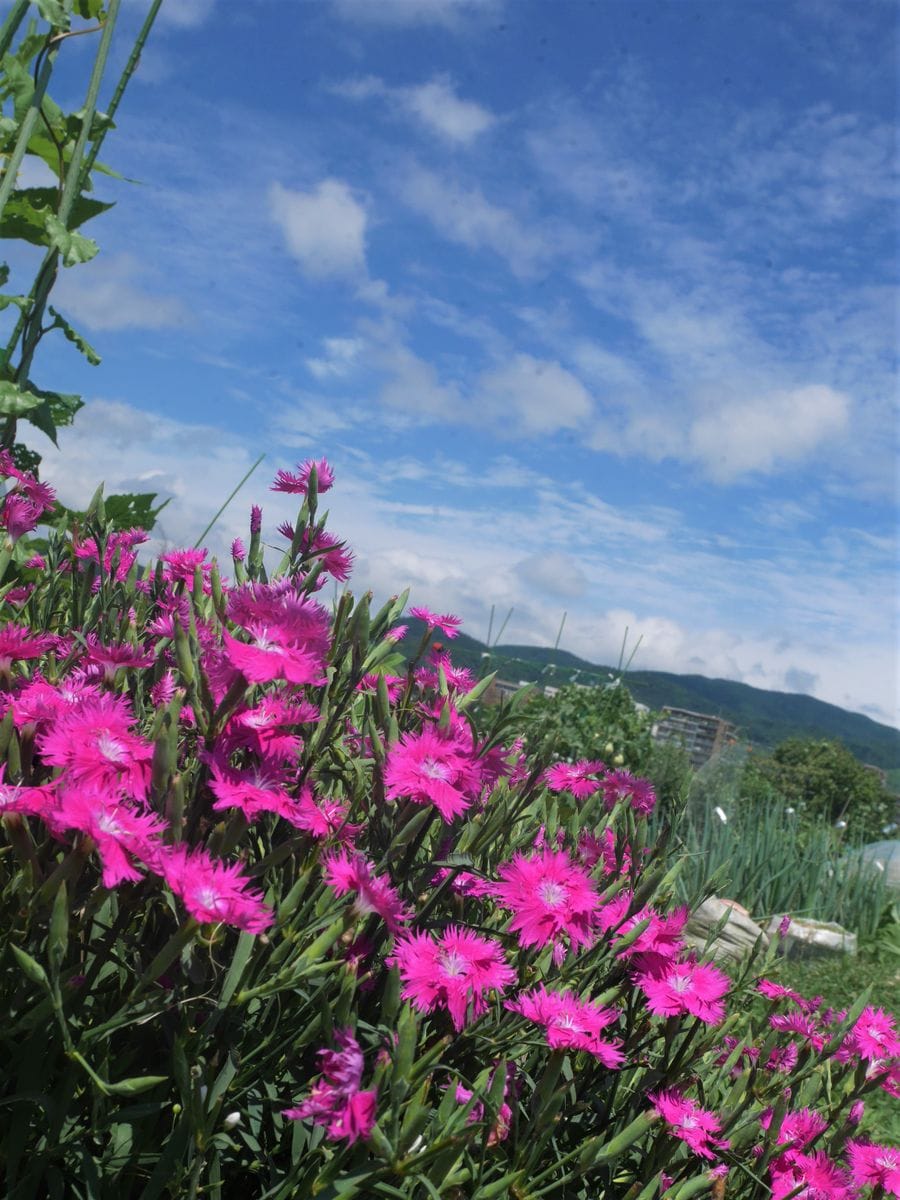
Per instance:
{"type": "Point", "coordinates": [106, 660]}
{"type": "Point", "coordinates": [25, 504]}
{"type": "Point", "coordinates": [456, 970]}
{"type": "Point", "coordinates": [621, 785]}
{"type": "Point", "coordinates": [695, 1126]}
{"type": "Point", "coordinates": [551, 899]}
{"type": "Point", "coordinates": [591, 849]}
{"type": "Point", "coordinates": [874, 1036]}
{"type": "Point", "coordinates": [262, 729]}
{"type": "Point", "coordinates": [775, 991]}
{"type": "Point", "coordinates": [94, 745]}
{"type": "Point", "coordinates": [255, 519]}
{"type": "Point", "coordinates": [27, 801]}
{"type": "Point", "coordinates": [797, 1130]}
{"type": "Point", "coordinates": [182, 564]}
{"type": "Point", "coordinates": [18, 643]}
{"type": "Point", "coordinates": [299, 484]}
{"type": "Point", "coordinates": [40, 702]}
{"type": "Point", "coordinates": [117, 830]}
{"type": "Point", "coordinates": [238, 550]}
{"type": "Point", "coordinates": [577, 778]}
{"type": "Point", "coordinates": [499, 1131]}
{"type": "Point", "coordinates": [321, 818]}
{"type": "Point", "coordinates": [255, 790]}
{"type": "Point", "coordinates": [213, 891]}
{"type": "Point", "coordinates": [432, 769]}
{"type": "Point", "coordinates": [809, 1177]}
{"type": "Point", "coordinates": [571, 1024]}
{"type": "Point", "coordinates": [687, 987]}
{"type": "Point", "coordinates": [875, 1166]}
{"type": "Point", "coordinates": [446, 622]}
{"type": "Point", "coordinates": [336, 1101]}
{"type": "Point", "coordinates": [783, 1058]}
{"type": "Point", "coordinates": [277, 651]}
{"type": "Point", "coordinates": [345, 872]}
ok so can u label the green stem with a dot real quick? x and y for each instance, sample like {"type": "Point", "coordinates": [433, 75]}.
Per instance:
{"type": "Point", "coordinates": [231, 495]}
{"type": "Point", "coordinates": [11, 24]}
{"type": "Point", "coordinates": [25, 130]}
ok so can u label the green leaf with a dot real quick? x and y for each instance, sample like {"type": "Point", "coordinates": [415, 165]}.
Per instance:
{"type": "Point", "coordinates": [32, 968]}
{"type": "Point", "coordinates": [128, 510]}
{"type": "Point", "coordinates": [91, 10]}
{"type": "Point", "coordinates": [16, 401]}
{"type": "Point", "coordinates": [55, 409]}
{"type": "Point", "coordinates": [73, 336]}
{"type": "Point", "coordinates": [73, 247]}
{"type": "Point", "coordinates": [19, 301]}
{"type": "Point", "coordinates": [54, 11]}
{"type": "Point", "coordinates": [133, 1087]}
{"type": "Point", "coordinates": [58, 938]}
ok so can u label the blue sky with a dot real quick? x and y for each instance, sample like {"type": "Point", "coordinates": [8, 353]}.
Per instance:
{"type": "Point", "coordinates": [591, 305]}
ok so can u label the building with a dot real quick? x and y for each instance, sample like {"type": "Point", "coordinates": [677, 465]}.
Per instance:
{"type": "Point", "coordinates": [700, 734]}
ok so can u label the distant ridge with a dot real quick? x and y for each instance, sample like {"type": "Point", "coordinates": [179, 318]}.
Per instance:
{"type": "Point", "coordinates": [763, 718]}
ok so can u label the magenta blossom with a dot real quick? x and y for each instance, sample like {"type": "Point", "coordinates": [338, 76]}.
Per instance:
{"type": "Point", "coordinates": [457, 970]}
{"type": "Point", "coordinates": [875, 1166]}
{"type": "Point", "coordinates": [580, 779]}
{"type": "Point", "coordinates": [570, 1023]}
{"type": "Point", "coordinates": [552, 900]}
{"type": "Point", "coordinates": [874, 1036]}
{"type": "Point", "coordinates": [213, 891]}
{"type": "Point", "coordinates": [621, 785]}
{"type": "Point", "coordinates": [345, 872]}
{"type": "Point", "coordinates": [94, 744]}
{"type": "Point", "coordinates": [809, 1177]}
{"type": "Point", "coordinates": [118, 832]}
{"type": "Point", "coordinates": [299, 484]}
{"type": "Point", "coordinates": [446, 622]}
{"type": "Point", "coordinates": [337, 1101]}
{"type": "Point", "coordinates": [687, 987]}
{"type": "Point", "coordinates": [430, 768]}
{"type": "Point", "coordinates": [695, 1126]}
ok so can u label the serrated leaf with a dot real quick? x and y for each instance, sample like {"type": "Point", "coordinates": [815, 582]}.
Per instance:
{"type": "Point", "coordinates": [16, 401]}
{"type": "Point", "coordinates": [55, 409]}
{"type": "Point", "coordinates": [74, 247]}
{"type": "Point", "coordinates": [73, 336]}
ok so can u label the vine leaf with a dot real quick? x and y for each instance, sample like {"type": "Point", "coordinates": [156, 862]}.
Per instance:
{"type": "Point", "coordinates": [72, 335]}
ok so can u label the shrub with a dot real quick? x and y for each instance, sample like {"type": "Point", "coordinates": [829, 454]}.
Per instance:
{"type": "Point", "coordinates": [280, 922]}
{"type": "Point", "coordinates": [590, 722]}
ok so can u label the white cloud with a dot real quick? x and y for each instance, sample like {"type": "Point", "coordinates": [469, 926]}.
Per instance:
{"type": "Point", "coordinates": [537, 395]}
{"type": "Point", "coordinates": [324, 229]}
{"type": "Point", "coordinates": [447, 13]}
{"type": "Point", "coordinates": [696, 610]}
{"type": "Point", "coordinates": [464, 215]}
{"type": "Point", "coordinates": [339, 357]}
{"type": "Point", "coordinates": [435, 104]}
{"type": "Point", "coordinates": [105, 294]}
{"type": "Point", "coordinates": [767, 432]}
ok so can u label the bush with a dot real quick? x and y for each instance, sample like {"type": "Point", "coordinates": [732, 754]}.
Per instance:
{"type": "Point", "coordinates": [590, 722]}
{"type": "Point", "coordinates": [280, 922]}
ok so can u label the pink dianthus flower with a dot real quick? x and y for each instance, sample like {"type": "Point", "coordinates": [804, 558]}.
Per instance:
{"type": "Point", "coordinates": [622, 785]}
{"type": "Point", "coordinates": [873, 1036]}
{"type": "Point", "coordinates": [875, 1166]}
{"type": "Point", "coordinates": [347, 872]}
{"type": "Point", "coordinates": [580, 778]}
{"type": "Point", "coordinates": [118, 831]}
{"type": "Point", "coordinates": [687, 987]}
{"type": "Point", "coordinates": [337, 1100]}
{"type": "Point", "coordinates": [213, 891]}
{"type": "Point", "coordinates": [809, 1177]}
{"type": "Point", "coordinates": [95, 746]}
{"type": "Point", "coordinates": [571, 1024]}
{"type": "Point", "coordinates": [446, 622]}
{"type": "Point", "coordinates": [695, 1126]}
{"type": "Point", "coordinates": [552, 900]}
{"type": "Point", "coordinates": [430, 768]}
{"type": "Point", "coordinates": [298, 484]}
{"type": "Point", "coordinates": [456, 970]}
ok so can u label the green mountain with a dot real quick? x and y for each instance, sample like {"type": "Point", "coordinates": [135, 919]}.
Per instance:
{"type": "Point", "coordinates": [763, 718]}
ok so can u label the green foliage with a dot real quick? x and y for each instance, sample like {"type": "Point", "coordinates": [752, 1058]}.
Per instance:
{"type": "Point", "coordinates": [33, 125]}
{"type": "Point", "coordinates": [590, 723]}
{"type": "Point", "coordinates": [765, 855]}
{"type": "Point", "coordinates": [824, 781]}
